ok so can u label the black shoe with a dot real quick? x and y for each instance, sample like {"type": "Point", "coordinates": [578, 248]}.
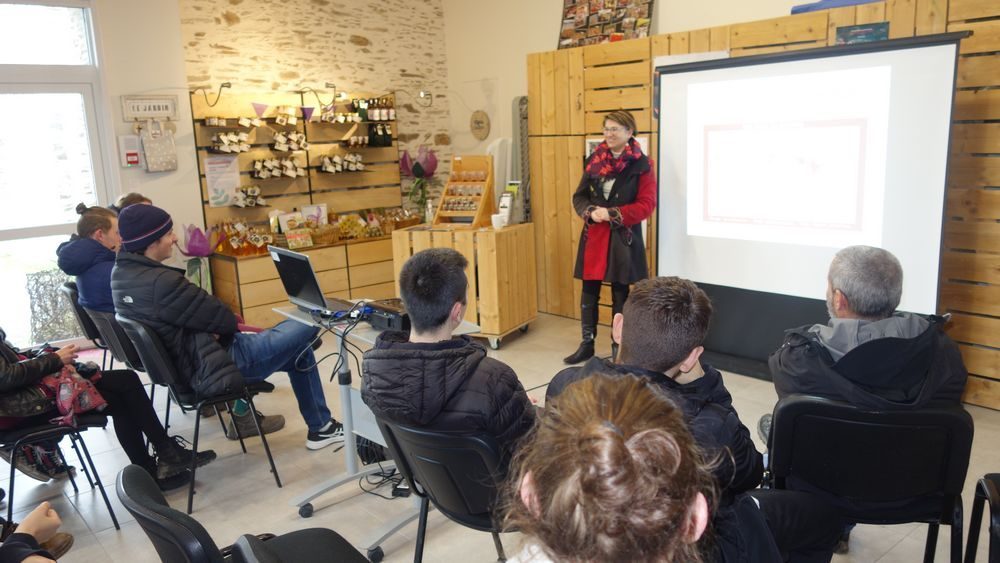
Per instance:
{"type": "Point", "coordinates": [332, 433]}
{"type": "Point", "coordinates": [583, 353]}
{"type": "Point", "coordinates": [174, 481]}
{"type": "Point", "coordinates": [764, 428]}
{"type": "Point", "coordinates": [173, 458]}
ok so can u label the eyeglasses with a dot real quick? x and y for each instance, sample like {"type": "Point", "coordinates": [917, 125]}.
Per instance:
{"type": "Point", "coordinates": [615, 129]}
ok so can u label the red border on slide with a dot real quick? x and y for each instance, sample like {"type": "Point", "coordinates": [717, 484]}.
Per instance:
{"type": "Point", "coordinates": [862, 127]}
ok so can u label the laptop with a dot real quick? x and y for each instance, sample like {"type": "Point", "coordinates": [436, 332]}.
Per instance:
{"type": "Point", "coordinates": [299, 278]}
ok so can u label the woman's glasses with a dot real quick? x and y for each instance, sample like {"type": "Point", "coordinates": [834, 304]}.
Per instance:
{"type": "Point", "coordinates": [614, 129]}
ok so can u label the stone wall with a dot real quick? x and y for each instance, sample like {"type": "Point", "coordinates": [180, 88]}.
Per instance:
{"type": "Point", "coordinates": [362, 46]}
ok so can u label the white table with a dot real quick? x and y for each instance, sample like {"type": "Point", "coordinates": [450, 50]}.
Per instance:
{"type": "Point", "coordinates": [358, 420]}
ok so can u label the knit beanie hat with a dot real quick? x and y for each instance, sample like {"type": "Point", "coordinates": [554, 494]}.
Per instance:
{"type": "Point", "coordinates": [142, 225]}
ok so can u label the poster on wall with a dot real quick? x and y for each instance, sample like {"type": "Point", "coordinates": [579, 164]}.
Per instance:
{"type": "Point", "coordinates": [589, 22]}
{"type": "Point", "coordinates": [222, 178]}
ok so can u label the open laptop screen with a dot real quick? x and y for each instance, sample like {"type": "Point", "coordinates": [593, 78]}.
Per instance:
{"type": "Point", "coordinates": [299, 279]}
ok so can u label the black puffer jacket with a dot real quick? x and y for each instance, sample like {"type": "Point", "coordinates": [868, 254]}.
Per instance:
{"type": "Point", "coordinates": [448, 385]}
{"type": "Point", "coordinates": [184, 316]}
{"type": "Point", "coordinates": [741, 533]}
{"type": "Point", "coordinates": [884, 373]}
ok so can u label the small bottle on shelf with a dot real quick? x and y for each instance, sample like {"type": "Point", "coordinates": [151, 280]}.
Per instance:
{"type": "Point", "coordinates": [392, 109]}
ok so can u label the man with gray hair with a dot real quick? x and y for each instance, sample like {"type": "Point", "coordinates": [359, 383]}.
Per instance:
{"type": "Point", "coordinates": [869, 354]}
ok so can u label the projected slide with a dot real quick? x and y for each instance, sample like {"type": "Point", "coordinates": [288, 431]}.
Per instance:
{"type": "Point", "coordinates": [804, 167]}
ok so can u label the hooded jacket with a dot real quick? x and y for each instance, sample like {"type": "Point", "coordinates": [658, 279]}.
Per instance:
{"type": "Point", "coordinates": [91, 263]}
{"type": "Point", "coordinates": [449, 385]}
{"type": "Point", "coordinates": [904, 361]}
{"type": "Point", "coordinates": [184, 316]}
{"type": "Point", "coordinates": [741, 533]}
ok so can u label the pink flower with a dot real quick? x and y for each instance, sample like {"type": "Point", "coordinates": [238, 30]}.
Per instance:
{"type": "Point", "coordinates": [423, 166]}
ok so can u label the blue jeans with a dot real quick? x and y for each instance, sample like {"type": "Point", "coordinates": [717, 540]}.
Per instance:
{"type": "Point", "coordinates": [276, 349]}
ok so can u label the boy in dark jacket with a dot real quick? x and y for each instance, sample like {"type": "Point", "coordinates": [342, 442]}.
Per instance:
{"type": "Point", "coordinates": [660, 332]}
{"type": "Point", "coordinates": [200, 332]}
{"type": "Point", "coordinates": [428, 378]}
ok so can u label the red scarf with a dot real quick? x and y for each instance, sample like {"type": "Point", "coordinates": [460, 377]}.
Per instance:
{"type": "Point", "coordinates": [602, 164]}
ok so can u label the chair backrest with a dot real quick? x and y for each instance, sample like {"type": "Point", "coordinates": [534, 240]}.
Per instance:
{"type": "Point", "coordinates": [159, 365]}
{"type": "Point", "coordinates": [114, 336]}
{"type": "Point", "coordinates": [72, 294]}
{"type": "Point", "coordinates": [871, 456]}
{"type": "Point", "coordinates": [175, 535]}
{"type": "Point", "coordinates": [459, 473]}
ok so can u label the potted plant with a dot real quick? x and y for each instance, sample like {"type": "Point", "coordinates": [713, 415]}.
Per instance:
{"type": "Point", "coordinates": [421, 169]}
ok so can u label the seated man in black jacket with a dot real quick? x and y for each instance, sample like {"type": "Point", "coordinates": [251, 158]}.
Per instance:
{"type": "Point", "coordinates": [200, 331]}
{"type": "Point", "coordinates": [868, 354]}
{"type": "Point", "coordinates": [430, 379]}
{"type": "Point", "coordinates": [660, 332]}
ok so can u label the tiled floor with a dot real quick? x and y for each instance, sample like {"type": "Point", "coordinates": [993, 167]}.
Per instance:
{"type": "Point", "coordinates": [237, 493]}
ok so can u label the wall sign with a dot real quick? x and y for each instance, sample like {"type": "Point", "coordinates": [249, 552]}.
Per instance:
{"type": "Point", "coordinates": [149, 107]}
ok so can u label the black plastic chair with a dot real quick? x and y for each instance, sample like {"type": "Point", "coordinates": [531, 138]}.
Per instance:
{"type": "Point", "coordinates": [459, 473]}
{"type": "Point", "coordinates": [161, 370]}
{"type": "Point", "coordinates": [179, 537]}
{"type": "Point", "coordinates": [124, 351]}
{"type": "Point", "coordinates": [16, 438]}
{"type": "Point", "coordinates": [987, 491]}
{"type": "Point", "coordinates": [886, 467]}
{"type": "Point", "coordinates": [90, 332]}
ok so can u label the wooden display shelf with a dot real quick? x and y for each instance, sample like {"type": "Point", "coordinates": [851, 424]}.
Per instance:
{"type": "Point", "coordinates": [485, 202]}
{"type": "Point", "coordinates": [502, 297]}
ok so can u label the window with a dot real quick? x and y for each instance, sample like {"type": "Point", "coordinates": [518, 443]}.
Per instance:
{"type": "Point", "coordinates": [50, 157]}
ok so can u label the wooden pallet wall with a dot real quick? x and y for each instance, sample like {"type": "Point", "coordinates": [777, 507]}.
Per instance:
{"type": "Point", "coordinates": [970, 259]}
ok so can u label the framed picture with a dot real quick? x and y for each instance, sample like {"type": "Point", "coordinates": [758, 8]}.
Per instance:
{"type": "Point", "coordinates": [589, 22]}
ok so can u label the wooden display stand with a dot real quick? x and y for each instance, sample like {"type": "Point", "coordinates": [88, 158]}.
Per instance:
{"type": "Point", "coordinates": [502, 295]}
{"type": "Point", "coordinates": [468, 196]}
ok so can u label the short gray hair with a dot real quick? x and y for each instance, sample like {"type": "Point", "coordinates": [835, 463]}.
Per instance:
{"type": "Point", "coordinates": [870, 278]}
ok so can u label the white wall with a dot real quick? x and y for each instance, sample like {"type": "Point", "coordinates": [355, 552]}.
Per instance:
{"type": "Point", "coordinates": [487, 44]}
{"type": "Point", "coordinates": [140, 52]}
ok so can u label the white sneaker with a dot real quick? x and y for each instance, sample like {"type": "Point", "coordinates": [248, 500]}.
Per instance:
{"type": "Point", "coordinates": [332, 433]}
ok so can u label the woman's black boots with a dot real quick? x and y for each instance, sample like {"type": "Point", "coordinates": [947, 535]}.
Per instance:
{"type": "Point", "coordinates": [588, 323]}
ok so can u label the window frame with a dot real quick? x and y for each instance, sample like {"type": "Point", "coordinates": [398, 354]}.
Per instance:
{"type": "Point", "coordinates": [88, 81]}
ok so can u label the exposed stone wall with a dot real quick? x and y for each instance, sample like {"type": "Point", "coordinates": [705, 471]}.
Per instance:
{"type": "Point", "coordinates": [362, 46]}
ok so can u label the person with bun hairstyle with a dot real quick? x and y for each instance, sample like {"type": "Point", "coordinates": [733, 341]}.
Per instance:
{"type": "Point", "coordinates": [611, 473]}
{"type": "Point", "coordinates": [89, 255]}
{"type": "Point", "coordinates": [616, 194]}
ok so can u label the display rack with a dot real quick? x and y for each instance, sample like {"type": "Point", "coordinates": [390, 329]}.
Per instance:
{"type": "Point", "coordinates": [468, 197]}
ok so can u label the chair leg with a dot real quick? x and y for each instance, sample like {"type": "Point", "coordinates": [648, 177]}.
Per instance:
{"type": "Point", "coordinates": [97, 480]}
{"type": "Point", "coordinates": [236, 427]}
{"type": "Point", "coordinates": [932, 534]}
{"type": "Point", "coordinates": [418, 553]}
{"type": "Point", "coordinates": [104, 361]}
{"type": "Point", "coordinates": [956, 531]}
{"type": "Point", "coordinates": [263, 439]}
{"type": "Point", "coordinates": [194, 454]}
{"type": "Point", "coordinates": [83, 464]}
{"type": "Point", "coordinates": [10, 487]}
{"type": "Point", "coordinates": [222, 421]}
{"type": "Point", "coordinates": [152, 402]}
{"type": "Point", "coordinates": [166, 417]}
{"type": "Point", "coordinates": [72, 480]}
{"type": "Point", "coordinates": [501, 556]}
{"type": "Point", "coordinates": [975, 523]}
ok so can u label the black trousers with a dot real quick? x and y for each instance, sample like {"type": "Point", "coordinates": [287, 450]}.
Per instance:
{"type": "Point", "coordinates": [133, 414]}
{"type": "Point", "coordinates": [805, 527]}
{"type": "Point", "coordinates": [592, 291]}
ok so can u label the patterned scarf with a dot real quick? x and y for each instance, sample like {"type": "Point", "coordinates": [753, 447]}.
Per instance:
{"type": "Point", "coordinates": [602, 164]}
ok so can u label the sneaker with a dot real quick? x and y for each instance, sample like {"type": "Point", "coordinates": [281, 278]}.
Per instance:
{"type": "Point", "coordinates": [764, 427]}
{"type": "Point", "coordinates": [175, 458]}
{"type": "Point", "coordinates": [24, 465]}
{"type": "Point", "coordinates": [332, 433]}
{"type": "Point", "coordinates": [58, 545]}
{"type": "Point", "coordinates": [268, 424]}
{"type": "Point", "coordinates": [174, 481]}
